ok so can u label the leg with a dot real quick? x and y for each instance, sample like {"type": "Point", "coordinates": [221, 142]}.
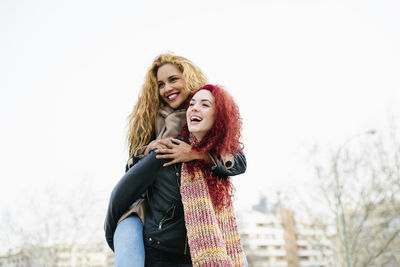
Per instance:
{"type": "Point", "coordinates": [128, 242]}
{"type": "Point", "coordinates": [246, 264]}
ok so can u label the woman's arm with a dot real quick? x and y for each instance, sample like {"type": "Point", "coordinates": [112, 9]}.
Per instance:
{"type": "Point", "coordinates": [179, 151]}
{"type": "Point", "coordinates": [143, 151]}
{"type": "Point", "coordinates": [128, 189]}
{"type": "Point", "coordinates": [230, 166]}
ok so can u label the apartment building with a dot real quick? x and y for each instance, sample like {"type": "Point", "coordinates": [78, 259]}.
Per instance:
{"type": "Point", "coordinates": [274, 238]}
{"type": "Point", "coordinates": [14, 260]}
{"type": "Point", "coordinates": [78, 255]}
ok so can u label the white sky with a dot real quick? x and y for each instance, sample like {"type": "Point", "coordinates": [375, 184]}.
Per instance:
{"type": "Point", "coordinates": [302, 72]}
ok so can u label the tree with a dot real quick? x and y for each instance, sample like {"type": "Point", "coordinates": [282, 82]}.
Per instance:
{"type": "Point", "coordinates": [360, 183]}
{"type": "Point", "coordinates": [55, 223]}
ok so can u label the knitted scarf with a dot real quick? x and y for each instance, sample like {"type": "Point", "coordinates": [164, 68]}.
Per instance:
{"type": "Point", "coordinates": [212, 233]}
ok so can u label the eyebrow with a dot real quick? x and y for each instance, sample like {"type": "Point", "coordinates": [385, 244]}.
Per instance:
{"type": "Point", "coordinates": [201, 100]}
{"type": "Point", "coordinates": [169, 77]}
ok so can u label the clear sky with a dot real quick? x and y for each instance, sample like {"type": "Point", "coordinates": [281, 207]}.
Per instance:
{"type": "Point", "coordinates": [302, 72]}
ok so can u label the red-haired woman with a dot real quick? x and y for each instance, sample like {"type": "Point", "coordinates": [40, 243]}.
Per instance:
{"type": "Point", "coordinates": [189, 206]}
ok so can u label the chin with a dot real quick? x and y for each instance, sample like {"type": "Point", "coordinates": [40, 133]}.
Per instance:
{"type": "Point", "coordinates": [192, 131]}
{"type": "Point", "coordinates": [175, 105]}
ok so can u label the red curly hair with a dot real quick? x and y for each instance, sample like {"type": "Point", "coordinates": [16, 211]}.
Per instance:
{"type": "Point", "coordinates": [222, 139]}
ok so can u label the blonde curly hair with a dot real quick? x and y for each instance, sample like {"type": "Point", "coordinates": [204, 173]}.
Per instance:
{"type": "Point", "coordinates": [143, 117]}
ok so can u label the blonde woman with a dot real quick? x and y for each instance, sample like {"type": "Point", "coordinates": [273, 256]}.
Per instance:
{"type": "Point", "coordinates": [158, 115]}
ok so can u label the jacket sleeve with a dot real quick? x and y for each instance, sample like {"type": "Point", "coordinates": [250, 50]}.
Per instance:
{"type": "Point", "coordinates": [135, 181]}
{"type": "Point", "coordinates": [139, 154]}
{"type": "Point", "coordinates": [236, 165]}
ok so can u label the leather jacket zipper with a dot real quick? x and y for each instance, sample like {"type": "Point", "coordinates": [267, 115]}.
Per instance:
{"type": "Point", "coordinates": [186, 245]}
{"type": "Point", "coordinates": [163, 220]}
{"type": "Point", "coordinates": [178, 177]}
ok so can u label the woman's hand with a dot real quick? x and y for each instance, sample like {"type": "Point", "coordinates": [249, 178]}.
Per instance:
{"type": "Point", "coordinates": [178, 151]}
{"type": "Point", "coordinates": [155, 144]}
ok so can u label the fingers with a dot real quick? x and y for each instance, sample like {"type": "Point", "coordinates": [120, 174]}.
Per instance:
{"type": "Point", "coordinates": [172, 141]}
{"type": "Point", "coordinates": [158, 146]}
{"type": "Point", "coordinates": [167, 142]}
{"type": "Point", "coordinates": [169, 163]}
{"type": "Point", "coordinates": [165, 156]}
{"type": "Point", "coordinates": [174, 149]}
{"type": "Point", "coordinates": [176, 141]}
{"type": "Point", "coordinates": [168, 156]}
{"type": "Point", "coordinates": [164, 150]}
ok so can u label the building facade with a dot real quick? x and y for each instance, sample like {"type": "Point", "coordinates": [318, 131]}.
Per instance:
{"type": "Point", "coordinates": [77, 255]}
{"type": "Point", "coordinates": [277, 239]}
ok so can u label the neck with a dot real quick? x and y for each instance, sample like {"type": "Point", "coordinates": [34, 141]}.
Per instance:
{"type": "Point", "coordinates": [198, 137]}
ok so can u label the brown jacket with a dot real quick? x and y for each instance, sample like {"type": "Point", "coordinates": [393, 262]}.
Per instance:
{"type": "Point", "coordinates": [169, 123]}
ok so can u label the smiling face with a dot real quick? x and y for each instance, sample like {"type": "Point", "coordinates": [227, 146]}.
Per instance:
{"type": "Point", "coordinates": [172, 85]}
{"type": "Point", "coordinates": [200, 115]}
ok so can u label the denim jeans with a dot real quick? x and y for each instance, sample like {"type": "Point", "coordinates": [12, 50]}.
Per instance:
{"type": "Point", "coordinates": [128, 243]}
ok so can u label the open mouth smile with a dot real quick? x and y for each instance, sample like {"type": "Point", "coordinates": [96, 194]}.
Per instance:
{"type": "Point", "coordinates": [194, 119]}
{"type": "Point", "coordinates": [172, 97]}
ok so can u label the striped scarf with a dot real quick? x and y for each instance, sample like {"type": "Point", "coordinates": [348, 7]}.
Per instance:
{"type": "Point", "coordinates": [212, 233]}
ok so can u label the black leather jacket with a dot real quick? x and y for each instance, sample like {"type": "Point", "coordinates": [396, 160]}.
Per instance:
{"type": "Point", "coordinates": [164, 227]}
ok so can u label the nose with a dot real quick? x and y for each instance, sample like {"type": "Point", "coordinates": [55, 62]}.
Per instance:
{"type": "Point", "coordinates": [194, 107]}
{"type": "Point", "coordinates": [168, 87]}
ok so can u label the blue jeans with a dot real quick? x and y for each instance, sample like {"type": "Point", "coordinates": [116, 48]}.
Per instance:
{"type": "Point", "coordinates": [246, 264]}
{"type": "Point", "coordinates": [128, 243]}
